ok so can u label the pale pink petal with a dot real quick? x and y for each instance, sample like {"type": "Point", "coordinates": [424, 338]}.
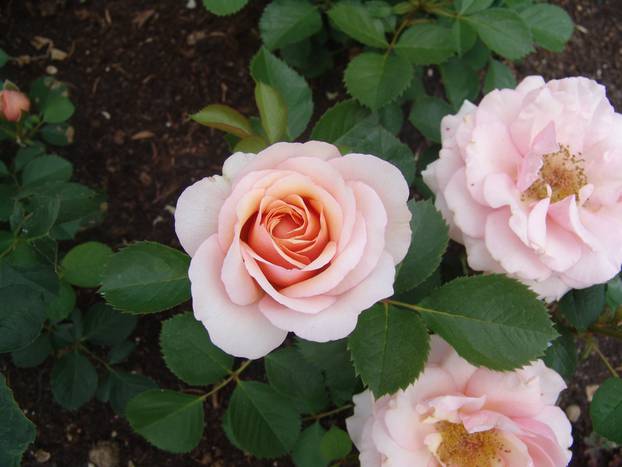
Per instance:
{"type": "Point", "coordinates": [235, 163]}
{"type": "Point", "coordinates": [241, 331]}
{"type": "Point", "coordinates": [389, 183]}
{"type": "Point", "coordinates": [514, 452]}
{"type": "Point", "coordinates": [196, 214]}
{"type": "Point", "coordinates": [469, 215]}
{"type": "Point", "coordinates": [339, 319]}
{"type": "Point", "coordinates": [558, 422]}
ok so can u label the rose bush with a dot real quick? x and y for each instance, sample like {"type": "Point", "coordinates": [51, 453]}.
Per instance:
{"type": "Point", "coordinates": [457, 415]}
{"type": "Point", "coordinates": [296, 238]}
{"type": "Point", "coordinates": [529, 181]}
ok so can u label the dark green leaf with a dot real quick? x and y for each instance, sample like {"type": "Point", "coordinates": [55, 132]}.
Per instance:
{"type": "Point", "coordinates": [460, 81]}
{"type": "Point", "coordinates": [391, 117]}
{"type": "Point", "coordinates": [45, 169]}
{"type": "Point", "coordinates": [550, 25]}
{"type": "Point", "coordinates": [335, 444]}
{"type": "Point", "coordinates": [561, 355]}
{"type": "Point", "coordinates": [426, 44]}
{"type": "Point", "coordinates": [58, 135]}
{"type": "Point", "coordinates": [354, 19]}
{"type": "Point", "coordinates": [16, 431]}
{"type": "Point", "coordinates": [429, 239]}
{"type": "Point", "coordinates": [614, 293]}
{"type": "Point", "coordinates": [383, 332]}
{"type": "Point", "coordinates": [285, 22]}
{"type": "Point", "coordinates": [262, 421]}
{"type": "Point", "coordinates": [467, 7]}
{"type": "Point", "coordinates": [426, 115]}
{"type": "Point", "coordinates": [339, 120]}
{"type": "Point", "coordinates": [146, 277]}
{"type": "Point", "coordinates": [105, 326]}
{"type": "Point", "coordinates": [58, 108]}
{"type": "Point", "coordinates": [27, 154]}
{"type": "Point", "coordinates": [268, 69]}
{"type": "Point", "coordinates": [74, 380]}
{"type": "Point", "coordinates": [22, 313]}
{"type": "Point", "coordinates": [499, 76]}
{"type": "Point", "coordinates": [225, 118]}
{"type": "Point", "coordinates": [503, 31]}
{"type": "Point", "coordinates": [307, 452]}
{"type": "Point", "coordinates": [4, 58]}
{"type": "Point", "coordinates": [167, 419]}
{"type": "Point", "coordinates": [82, 265]}
{"type": "Point", "coordinates": [33, 355]}
{"type": "Point", "coordinates": [189, 353]}
{"type": "Point", "coordinates": [606, 410]}
{"type": "Point", "coordinates": [490, 320]}
{"type": "Point", "coordinates": [122, 386]}
{"type": "Point", "coordinates": [583, 307]}
{"type": "Point", "coordinates": [291, 375]}
{"type": "Point", "coordinates": [224, 7]}
{"type": "Point", "coordinates": [376, 80]}
{"type": "Point", "coordinates": [120, 352]}
{"type": "Point", "coordinates": [42, 215]}
{"type": "Point", "coordinates": [62, 306]}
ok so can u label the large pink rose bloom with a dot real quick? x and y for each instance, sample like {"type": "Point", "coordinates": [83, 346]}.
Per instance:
{"type": "Point", "coordinates": [457, 415]}
{"type": "Point", "coordinates": [529, 181]}
{"type": "Point", "coordinates": [296, 238]}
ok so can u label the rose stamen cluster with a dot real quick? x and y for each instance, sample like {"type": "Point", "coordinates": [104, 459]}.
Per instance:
{"type": "Point", "coordinates": [459, 448]}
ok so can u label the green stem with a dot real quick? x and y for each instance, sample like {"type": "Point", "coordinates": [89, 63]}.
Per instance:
{"type": "Point", "coordinates": [327, 414]}
{"type": "Point", "coordinates": [609, 366]}
{"type": "Point", "coordinates": [234, 375]}
{"type": "Point", "coordinates": [410, 306]}
{"type": "Point", "coordinates": [86, 350]}
{"type": "Point", "coordinates": [606, 332]}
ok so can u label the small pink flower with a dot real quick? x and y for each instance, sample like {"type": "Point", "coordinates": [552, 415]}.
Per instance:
{"type": "Point", "coordinates": [529, 181]}
{"type": "Point", "coordinates": [12, 104]}
{"type": "Point", "coordinates": [457, 415]}
{"type": "Point", "coordinates": [296, 238]}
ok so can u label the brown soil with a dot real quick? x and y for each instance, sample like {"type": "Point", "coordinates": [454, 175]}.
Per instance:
{"type": "Point", "coordinates": [135, 70]}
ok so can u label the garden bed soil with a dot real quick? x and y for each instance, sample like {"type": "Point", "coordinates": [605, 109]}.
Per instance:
{"type": "Point", "coordinates": [135, 70]}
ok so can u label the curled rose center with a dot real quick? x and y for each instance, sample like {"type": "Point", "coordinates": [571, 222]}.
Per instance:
{"type": "Point", "coordinates": [563, 172]}
{"type": "Point", "coordinates": [459, 448]}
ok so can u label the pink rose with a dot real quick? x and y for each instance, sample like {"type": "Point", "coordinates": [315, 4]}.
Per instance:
{"type": "Point", "coordinates": [296, 238]}
{"type": "Point", "coordinates": [529, 181]}
{"type": "Point", "coordinates": [457, 415]}
{"type": "Point", "coordinates": [12, 104]}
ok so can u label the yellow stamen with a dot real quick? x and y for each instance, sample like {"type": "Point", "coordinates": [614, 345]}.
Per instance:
{"type": "Point", "coordinates": [460, 448]}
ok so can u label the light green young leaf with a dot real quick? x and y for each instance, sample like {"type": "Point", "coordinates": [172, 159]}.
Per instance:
{"type": "Point", "coordinates": [285, 22]}
{"type": "Point", "coordinates": [225, 118]}
{"type": "Point", "coordinates": [272, 112]}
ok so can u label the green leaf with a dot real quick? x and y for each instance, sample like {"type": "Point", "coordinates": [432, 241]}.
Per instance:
{"type": "Point", "coordinates": [105, 326]}
{"type": "Point", "coordinates": [464, 36]}
{"type": "Point", "coordinates": [82, 265]}
{"type": "Point", "coordinates": [490, 320]}
{"type": "Point", "coordinates": [391, 117]}
{"type": "Point", "coordinates": [333, 358]}
{"type": "Point", "coordinates": [460, 81]}
{"type": "Point", "coordinates": [583, 307]}
{"type": "Point", "coordinates": [369, 137]}
{"type": "Point", "coordinates": [58, 108]}
{"type": "Point", "coordinates": [354, 20]}
{"type": "Point", "coordinates": [4, 170]}
{"type": "Point", "coordinates": [27, 154]}
{"type": "Point", "coordinates": [467, 7]}
{"type": "Point", "coordinates": [478, 57]}
{"type": "Point", "coordinates": [169, 420]}
{"type": "Point", "coordinates": [503, 31]}
{"type": "Point", "coordinates": [426, 115]}
{"type": "Point", "coordinates": [189, 352]}
{"type": "Point", "coordinates": [272, 112]}
{"type": "Point", "coordinates": [44, 169]}
{"type": "Point", "coordinates": [499, 76]}
{"type": "Point", "coordinates": [561, 355]}
{"type": "Point", "coordinates": [43, 214]}
{"type": "Point", "coordinates": [58, 135]}
{"type": "Point", "coordinates": [224, 7]}
{"type": "Point", "coordinates": [122, 387]}
{"type": "Point", "coordinates": [429, 239]}
{"type": "Point", "coordinates": [606, 410]}
{"type": "Point", "coordinates": [383, 332]}
{"type": "Point", "coordinates": [262, 421]}
{"type": "Point", "coordinates": [252, 144]}
{"type": "Point", "coordinates": [285, 22]}
{"type": "Point", "coordinates": [426, 44]}
{"type": "Point", "coordinates": [291, 375]}
{"type": "Point", "coordinates": [339, 120]}
{"type": "Point", "coordinates": [16, 431]}
{"type": "Point", "coordinates": [376, 80]}
{"type": "Point", "coordinates": [22, 313]}
{"type": "Point", "coordinates": [550, 25]}
{"type": "Point", "coordinates": [120, 352]}
{"type": "Point", "coordinates": [33, 355]}
{"type": "Point", "coordinates": [307, 452]}
{"type": "Point", "coordinates": [74, 380]}
{"type": "Point", "coordinates": [268, 69]}
{"type": "Point", "coordinates": [335, 444]}
{"type": "Point", "coordinates": [4, 58]}
{"type": "Point", "coordinates": [225, 118]}
{"type": "Point", "coordinates": [146, 277]}
{"type": "Point", "coordinates": [614, 293]}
